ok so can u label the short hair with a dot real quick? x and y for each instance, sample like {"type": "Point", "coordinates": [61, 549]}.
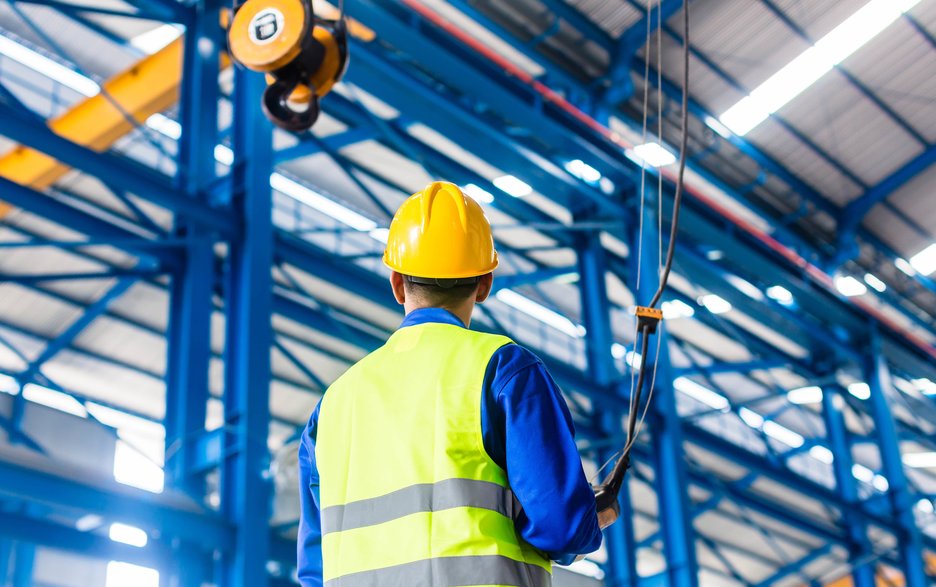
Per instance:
{"type": "Point", "coordinates": [436, 296]}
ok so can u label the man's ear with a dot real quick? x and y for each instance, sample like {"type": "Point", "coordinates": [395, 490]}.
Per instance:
{"type": "Point", "coordinates": [399, 290]}
{"type": "Point", "coordinates": [484, 287]}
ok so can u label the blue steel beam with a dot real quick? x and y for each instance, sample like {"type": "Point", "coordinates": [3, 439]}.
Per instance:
{"type": "Point", "coordinates": [909, 538]}
{"type": "Point", "coordinates": [596, 313]}
{"type": "Point", "coordinates": [620, 85]}
{"type": "Point", "coordinates": [846, 484]}
{"type": "Point", "coordinates": [671, 480]}
{"type": "Point", "coordinates": [245, 489]}
{"type": "Point", "coordinates": [853, 214]}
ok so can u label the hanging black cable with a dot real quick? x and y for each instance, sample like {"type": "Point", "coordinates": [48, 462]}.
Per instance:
{"type": "Point", "coordinates": [648, 317]}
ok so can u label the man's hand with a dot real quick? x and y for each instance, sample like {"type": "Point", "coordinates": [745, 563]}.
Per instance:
{"type": "Point", "coordinates": [607, 517]}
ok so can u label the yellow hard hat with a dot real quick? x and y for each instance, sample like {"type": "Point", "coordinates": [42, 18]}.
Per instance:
{"type": "Point", "coordinates": [440, 233]}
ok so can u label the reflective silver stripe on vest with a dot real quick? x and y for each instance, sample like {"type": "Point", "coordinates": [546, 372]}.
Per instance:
{"type": "Point", "coordinates": [426, 497]}
{"type": "Point", "coordinates": [450, 572]}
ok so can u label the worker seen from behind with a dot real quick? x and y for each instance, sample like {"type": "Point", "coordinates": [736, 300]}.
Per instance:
{"type": "Point", "coordinates": [445, 457]}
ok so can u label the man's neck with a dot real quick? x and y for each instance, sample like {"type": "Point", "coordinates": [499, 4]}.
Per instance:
{"type": "Point", "coordinates": [463, 313]}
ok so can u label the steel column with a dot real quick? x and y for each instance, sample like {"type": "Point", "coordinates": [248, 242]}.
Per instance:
{"type": "Point", "coordinates": [671, 479]}
{"type": "Point", "coordinates": [246, 491]}
{"type": "Point", "coordinates": [909, 539]}
{"type": "Point", "coordinates": [846, 484]}
{"type": "Point", "coordinates": [596, 313]}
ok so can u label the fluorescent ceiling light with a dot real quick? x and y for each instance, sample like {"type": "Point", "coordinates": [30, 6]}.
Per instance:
{"type": "Point", "coordinates": [849, 286]}
{"type": "Point", "coordinates": [126, 575]}
{"type": "Point", "coordinates": [700, 393]}
{"type": "Point", "coordinates": [675, 309]}
{"type": "Point", "coordinates": [925, 261]}
{"type": "Point", "coordinates": [165, 126]}
{"type": "Point", "coordinates": [822, 454]}
{"type": "Point", "coordinates": [49, 68]}
{"type": "Point", "coordinates": [55, 400]}
{"type": "Point", "coordinates": [513, 186]}
{"type": "Point", "coordinates": [751, 418]}
{"type": "Point", "coordinates": [925, 506]}
{"type": "Point", "coordinates": [861, 390]}
{"type": "Point", "coordinates": [224, 154]}
{"type": "Point", "coordinates": [920, 460]}
{"type": "Point", "coordinates": [88, 522]}
{"type": "Point", "coordinates": [875, 283]}
{"type": "Point", "coordinates": [717, 126]}
{"type": "Point", "coordinates": [583, 171]}
{"type": "Point", "coordinates": [540, 312]}
{"type": "Point", "coordinates": [618, 350]}
{"type": "Point", "coordinates": [714, 255]}
{"type": "Point", "coordinates": [155, 40]}
{"type": "Point", "coordinates": [380, 234]}
{"type": "Point", "coordinates": [805, 395]}
{"type": "Point", "coordinates": [134, 469]}
{"type": "Point", "coordinates": [812, 64]}
{"type": "Point", "coordinates": [9, 385]}
{"type": "Point", "coordinates": [904, 266]}
{"type": "Point", "coordinates": [715, 304]}
{"type": "Point", "coordinates": [633, 359]}
{"type": "Point", "coordinates": [479, 194]}
{"type": "Point", "coordinates": [128, 535]}
{"type": "Point", "coordinates": [780, 294]}
{"type": "Point", "coordinates": [325, 205]}
{"type": "Point", "coordinates": [783, 434]}
{"type": "Point", "coordinates": [746, 287]}
{"type": "Point", "coordinates": [654, 155]}
{"type": "Point", "coordinates": [925, 386]}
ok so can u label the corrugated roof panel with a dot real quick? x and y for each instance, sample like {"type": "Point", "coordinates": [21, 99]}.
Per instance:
{"type": "Point", "coordinates": [614, 16]}
{"type": "Point", "coordinates": [33, 311]}
{"type": "Point", "coordinates": [850, 128]}
{"type": "Point", "coordinates": [895, 232]}
{"type": "Point", "coordinates": [745, 39]}
{"type": "Point", "coordinates": [818, 18]}
{"type": "Point", "coordinates": [899, 66]}
{"type": "Point", "coordinates": [783, 146]}
{"type": "Point", "coordinates": [708, 88]}
{"type": "Point", "coordinates": [125, 343]}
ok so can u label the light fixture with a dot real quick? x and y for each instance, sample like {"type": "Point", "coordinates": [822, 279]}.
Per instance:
{"type": "Point", "coordinates": [805, 395]}
{"type": "Point", "coordinates": [783, 434]}
{"type": "Point", "coordinates": [714, 254]}
{"type": "Point", "coordinates": [925, 261]}
{"type": "Point", "coordinates": [746, 287]}
{"type": "Point", "coordinates": [751, 418]}
{"type": "Point", "coordinates": [9, 385]}
{"type": "Point", "coordinates": [155, 40]}
{"type": "Point", "coordinates": [583, 171]}
{"type": "Point", "coordinates": [618, 350]}
{"type": "Point", "coordinates": [325, 205]}
{"type": "Point", "coordinates": [380, 235]}
{"type": "Point", "coordinates": [224, 154]}
{"type": "Point", "coordinates": [540, 312]}
{"type": "Point", "coordinates": [715, 304]}
{"type": "Point", "coordinates": [513, 186]}
{"type": "Point", "coordinates": [654, 155]}
{"type": "Point", "coordinates": [700, 393]}
{"type": "Point", "coordinates": [633, 359]}
{"type": "Point", "coordinates": [920, 460]}
{"type": "Point", "coordinates": [675, 309]}
{"type": "Point", "coordinates": [849, 286]}
{"type": "Point", "coordinates": [861, 390]}
{"type": "Point", "coordinates": [780, 294]}
{"type": "Point", "coordinates": [822, 454]}
{"type": "Point", "coordinates": [120, 574]}
{"type": "Point", "coordinates": [165, 126]}
{"type": "Point", "coordinates": [925, 506]}
{"type": "Point", "coordinates": [49, 68]}
{"type": "Point", "coordinates": [813, 63]}
{"type": "Point", "coordinates": [717, 126]}
{"type": "Point", "coordinates": [875, 283]}
{"type": "Point", "coordinates": [128, 535]}
{"type": "Point", "coordinates": [134, 469]}
{"type": "Point", "coordinates": [904, 266]}
{"type": "Point", "coordinates": [55, 400]}
{"type": "Point", "coordinates": [479, 194]}
{"type": "Point", "coordinates": [925, 386]}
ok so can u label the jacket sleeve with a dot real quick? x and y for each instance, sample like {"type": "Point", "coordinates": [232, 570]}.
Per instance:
{"type": "Point", "coordinates": [309, 543]}
{"type": "Point", "coordinates": [534, 437]}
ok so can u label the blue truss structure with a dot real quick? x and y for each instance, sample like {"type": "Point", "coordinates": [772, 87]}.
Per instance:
{"type": "Point", "coordinates": [434, 80]}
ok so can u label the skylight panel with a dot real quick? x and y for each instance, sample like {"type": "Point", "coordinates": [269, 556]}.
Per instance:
{"type": "Point", "coordinates": [49, 68]}
{"type": "Point", "coordinates": [791, 80]}
{"type": "Point", "coordinates": [924, 262]}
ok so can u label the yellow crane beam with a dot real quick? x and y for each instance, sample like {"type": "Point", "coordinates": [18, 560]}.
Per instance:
{"type": "Point", "coordinates": [126, 100]}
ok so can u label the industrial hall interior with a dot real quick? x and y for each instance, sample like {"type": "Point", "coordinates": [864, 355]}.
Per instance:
{"type": "Point", "coordinates": [451, 293]}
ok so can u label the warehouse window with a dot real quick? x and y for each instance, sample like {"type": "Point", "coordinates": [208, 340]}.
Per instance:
{"type": "Point", "coordinates": [127, 575]}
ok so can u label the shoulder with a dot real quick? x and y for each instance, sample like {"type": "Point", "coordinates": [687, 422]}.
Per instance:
{"type": "Point", "coordinates": [510, 360]}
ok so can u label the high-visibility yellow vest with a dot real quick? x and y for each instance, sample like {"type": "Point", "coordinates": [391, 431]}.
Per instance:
{"type": "Point", "coordinates": [409, 497]}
